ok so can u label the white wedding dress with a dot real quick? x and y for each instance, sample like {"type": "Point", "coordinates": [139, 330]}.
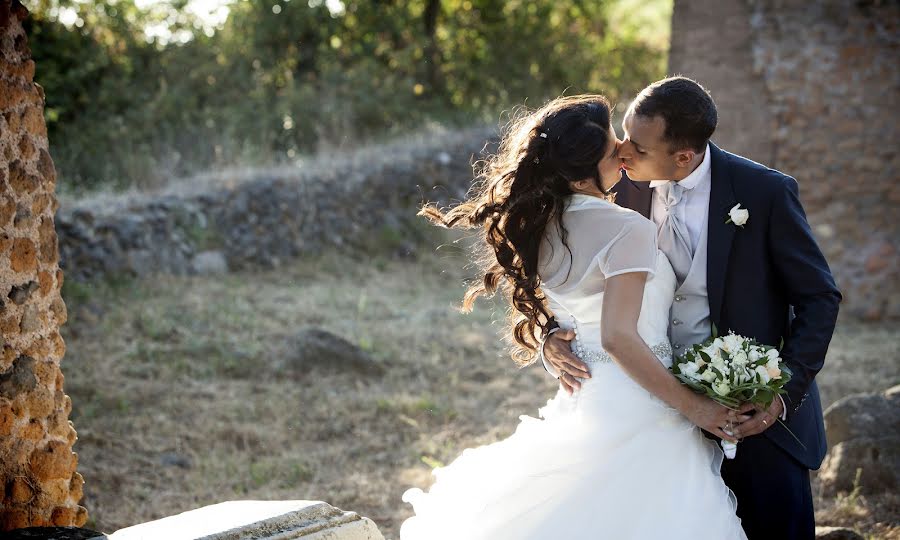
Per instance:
{"type": "Point", "coordinates": [609, 462]}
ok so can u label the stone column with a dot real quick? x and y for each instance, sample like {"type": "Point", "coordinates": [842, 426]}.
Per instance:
{"type": "Point", "coordinates": [712, 43]}
{"type": "Point", "coordinates": [38, 482]}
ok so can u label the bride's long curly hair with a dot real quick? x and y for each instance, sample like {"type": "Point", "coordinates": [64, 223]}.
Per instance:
{"type": "Point", "coordinates": [518, 192]}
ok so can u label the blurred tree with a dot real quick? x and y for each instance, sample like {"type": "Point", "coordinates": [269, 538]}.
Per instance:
{"type": "Point", "coordinates": [137, 94]}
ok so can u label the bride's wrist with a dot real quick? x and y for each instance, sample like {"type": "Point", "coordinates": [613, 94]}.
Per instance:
{"type": "Point", "coordinates": [690, 402]}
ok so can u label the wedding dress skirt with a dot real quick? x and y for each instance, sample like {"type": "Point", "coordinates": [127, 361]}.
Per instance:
{"type": "Point", "coordinates": [609, 462]}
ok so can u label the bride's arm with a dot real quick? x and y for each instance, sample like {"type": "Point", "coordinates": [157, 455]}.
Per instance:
{"type": "Point", "coordinates": [621, 309]}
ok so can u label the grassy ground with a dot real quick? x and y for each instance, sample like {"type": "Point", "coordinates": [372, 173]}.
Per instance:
{"type": "Point", "coordinates": [185, 394]}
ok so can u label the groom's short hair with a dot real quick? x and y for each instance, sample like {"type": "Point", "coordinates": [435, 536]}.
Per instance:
{"type": "Point", "coordinates": [686, 107]}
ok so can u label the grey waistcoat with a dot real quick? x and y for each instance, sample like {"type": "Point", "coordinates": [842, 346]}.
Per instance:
{"type": "Point", "coordinates": [689, 318]}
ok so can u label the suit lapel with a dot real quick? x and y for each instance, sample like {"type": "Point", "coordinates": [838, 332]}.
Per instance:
{"type": "Point", "coordinates": [721, 234]}
{"type": "Point", "coordinates": [636, 196]}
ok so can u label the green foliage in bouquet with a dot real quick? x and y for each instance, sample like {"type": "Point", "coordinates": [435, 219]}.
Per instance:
{"type": "Point", "coordinates": [733, 370]}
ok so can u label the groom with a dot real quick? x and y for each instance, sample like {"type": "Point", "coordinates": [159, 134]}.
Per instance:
{"type": "Point", "coordinates": [761, 276]}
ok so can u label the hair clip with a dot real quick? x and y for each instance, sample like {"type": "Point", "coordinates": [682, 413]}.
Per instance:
{"type": "Point", "coordinates": [543, 135]}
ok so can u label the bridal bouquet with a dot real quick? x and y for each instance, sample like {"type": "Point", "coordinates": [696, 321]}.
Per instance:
{"type": "Point", "coordinates": [733, 370]}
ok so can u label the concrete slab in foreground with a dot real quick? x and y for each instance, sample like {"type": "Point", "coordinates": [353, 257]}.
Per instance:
{"type": "Point", "coordinates": [264, 520]}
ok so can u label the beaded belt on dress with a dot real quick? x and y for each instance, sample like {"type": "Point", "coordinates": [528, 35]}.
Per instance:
{"type": "Point", "coordinates": [661, 350]}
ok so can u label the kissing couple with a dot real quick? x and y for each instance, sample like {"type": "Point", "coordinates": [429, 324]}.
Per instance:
{"type": "Point", "coordinates": [616, 256]}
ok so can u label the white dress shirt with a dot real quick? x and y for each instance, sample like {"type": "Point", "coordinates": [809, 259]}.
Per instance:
{"type": "Point", "coordinates": [693, 209]}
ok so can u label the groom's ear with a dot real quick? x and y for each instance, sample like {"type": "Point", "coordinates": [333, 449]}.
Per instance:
{"type": "Point", "coordinates": [684, 158]}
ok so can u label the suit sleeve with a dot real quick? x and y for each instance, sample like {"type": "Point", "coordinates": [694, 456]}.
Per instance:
{"type": "Point", "coordinates": [810, 289]}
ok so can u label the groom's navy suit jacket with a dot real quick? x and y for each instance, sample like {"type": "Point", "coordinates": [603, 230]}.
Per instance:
{"type": "Point", "coordinates": [767, 280]}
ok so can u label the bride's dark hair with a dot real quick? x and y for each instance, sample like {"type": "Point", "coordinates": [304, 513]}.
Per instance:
{"type": "Point", "coordinates": [521, 189]}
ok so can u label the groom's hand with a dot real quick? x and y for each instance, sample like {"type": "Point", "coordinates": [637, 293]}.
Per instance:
{"type": "Point", "coordinates": [558, 353]}
{"type": "Point", "coordinates": [759, 422]}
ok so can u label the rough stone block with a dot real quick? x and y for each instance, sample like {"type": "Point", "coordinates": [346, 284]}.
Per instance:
{"type": "Point", "coordinates": [877, 459]}
{"type": "Point", "coordinates": [23, 183]}
{"type": "Point", "coordinates": [76, 486]}
{"type": "Point", "coordinates": [53, 461]}
{"type": "Point", "coordinates": [7, 210]}
{"type": "Point", "coordinates": [45, 167]}
{"type": "Point", "coordinates": [26, 148]}
{"type": "Point", "coordinates": [62, 516]}
{"type": "Point", "coordinates": [33, 430]}
{"type": "Point", "coordinates": [837, 533]}
{"type": "Point", "coordinates": [5, 243]}
{"type": "Point", "coordinates": [45, 281]}
{"type": "Point", "coordinates": [39, 402]}
{"type": "Point", "coordinates": [34, 121]}
{"type": "Point", "coordinates": [13, 120]}
{"type": "Point", "coordinates": [23, 257]}
{"type": "Point", "coordinates": [58, 307]}
{"type": "Point", "coordinates": [317, 347]}
{"type": "Point", "coordinates": [234, 520]}
{"type": "Point", "coordinates": [209, 263]}
{"type": "Point", "coordinates": [31, 319]}
{"type": "Point", "coordinates": [7, 419]}
{"type": "Point", "coordinates": [10, 325]}
{"type": "Point", "coordinates": [19, 294]}
{"type": "Point", "coordinates": [19, 379]}
{"type": "Point", "coordinates": [20, 490]}
{"type": "Point", "coordinates": [863, 415]}
{"type": "Point", "coordinates": [14, 518]}
{"type": "Point", "coordinates": [49, 252]}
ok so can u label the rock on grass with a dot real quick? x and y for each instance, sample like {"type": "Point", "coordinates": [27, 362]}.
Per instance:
{"type": "Point", "coordinates": [317, 348]}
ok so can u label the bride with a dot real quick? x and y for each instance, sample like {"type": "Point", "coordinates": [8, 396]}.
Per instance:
{"type": "Point", "coordinates": [623, 456]}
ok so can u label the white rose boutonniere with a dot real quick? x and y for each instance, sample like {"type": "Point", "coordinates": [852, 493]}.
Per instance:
{"type": "Point", "coordinates": [738, 215]}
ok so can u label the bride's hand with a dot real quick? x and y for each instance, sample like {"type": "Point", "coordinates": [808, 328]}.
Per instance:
{"type": "Point", "coordinates": [714, 417]}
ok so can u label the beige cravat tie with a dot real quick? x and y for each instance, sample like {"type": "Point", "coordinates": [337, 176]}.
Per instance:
{"type": "Point", "coordinates": [672, 233]}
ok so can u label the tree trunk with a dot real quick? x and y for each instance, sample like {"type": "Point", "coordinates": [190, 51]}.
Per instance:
{"type": "Point", "coordinates": [432, 51]}
{"type": "Point", "coordinates": [39, 485]}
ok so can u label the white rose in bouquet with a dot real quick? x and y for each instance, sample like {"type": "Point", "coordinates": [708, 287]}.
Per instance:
{"type": "Point", "coordinates": [722, 388]}
{"type": "Point", "coordinates": [763, 374]}
{"type": "Point", "coordinates": [690, 369]}
{"type": "Point", "coordinates": [773, 370]}
{"type": "Point", "coordinates": [733, 343]}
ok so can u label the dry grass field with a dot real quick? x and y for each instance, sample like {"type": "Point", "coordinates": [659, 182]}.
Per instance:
{"type": "Point", "coordinates": [187, 391]}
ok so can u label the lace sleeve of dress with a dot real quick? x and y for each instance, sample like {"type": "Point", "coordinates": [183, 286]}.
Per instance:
{"type": "Point", "coordinates": [632, 250]}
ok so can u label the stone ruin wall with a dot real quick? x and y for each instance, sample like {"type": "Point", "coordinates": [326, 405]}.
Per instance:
{"type": "Point", "coordinates": [813, 89]}
{"type": "Point", "coordinates": [266, 219]}
{"type": "Point", "coordinates": [38, 482]}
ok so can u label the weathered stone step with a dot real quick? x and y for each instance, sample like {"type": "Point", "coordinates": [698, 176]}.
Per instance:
{"type": "Point", "coordinates": [263, 520]}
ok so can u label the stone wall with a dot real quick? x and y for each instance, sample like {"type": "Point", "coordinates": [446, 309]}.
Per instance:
{"type": "Point", "coordinates": [38, 482]}
{"type": "Point", "coordinates": [813, 89]}
{"type": "Point", "coordinates": [266, 218]}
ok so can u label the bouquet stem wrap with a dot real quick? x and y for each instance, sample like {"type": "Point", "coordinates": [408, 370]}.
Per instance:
{"type": "Point", "coordinates": [728, 447]}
